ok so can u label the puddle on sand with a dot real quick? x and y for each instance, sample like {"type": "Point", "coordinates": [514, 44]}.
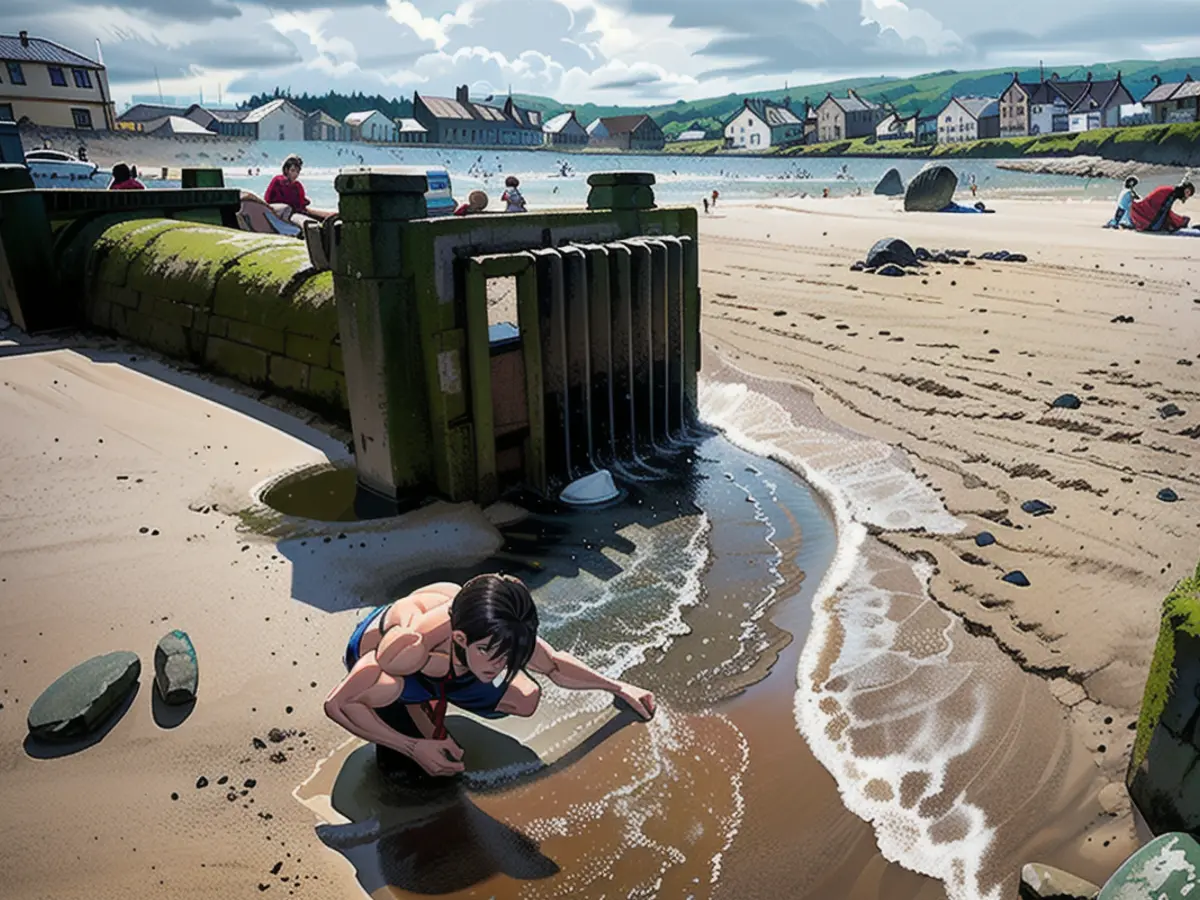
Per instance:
{"type": "Point", "coordinates": [323, 492]}
{"type": "Point", "coordinates": [669, 590]}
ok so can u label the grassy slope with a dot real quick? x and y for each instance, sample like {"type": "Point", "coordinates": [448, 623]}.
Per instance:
{"type": "Point", "coordinates": [1177, 145]}
{"type": "Point", "coordinates": [929, 93]}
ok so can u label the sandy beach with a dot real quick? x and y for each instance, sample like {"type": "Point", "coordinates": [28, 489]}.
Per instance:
{"type": "Point", "coordinates": [928, 713]}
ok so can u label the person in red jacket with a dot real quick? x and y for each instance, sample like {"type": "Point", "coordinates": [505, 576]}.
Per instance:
{"type": "Point", "coordinates": [1154, 211]}
{"type": "Point", "coordinates": [285, 194]}
{"type": "Point", "coordinates": [124, 179]}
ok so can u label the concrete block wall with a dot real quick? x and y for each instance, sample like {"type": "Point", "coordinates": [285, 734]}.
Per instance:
{"type": "Point", "coordinates": [245, 305]}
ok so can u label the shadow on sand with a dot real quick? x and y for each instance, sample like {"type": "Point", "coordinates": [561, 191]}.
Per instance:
{"type": "Point", "coordinates": [167, 716]}
{"type": "Point", "coordinates": [426, 835]}
{"type": "Point", "coordinates": [40, 749]}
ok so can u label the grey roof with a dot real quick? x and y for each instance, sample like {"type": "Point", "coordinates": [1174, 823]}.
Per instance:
{"type": "Point", "coordinates": [1166, 90]}
{"type": "Point", "coordinates": [229, 115]}
{"type": "Point", "coordinates": [979, 107]}
{"type": "Point", "coordinates": [774, 114]}
{"type": "Point", "coordinates": [410, 125]}
{"type": "Point", "coordinates": [324, 118]}
{"type": "Point", "coordinates": [42, 51]}
{"type": "Point", "coordinates": [445, 108]}
{"type": "Point", "coordinates": [623, 124]}
{"type": "Point", "coordinates": [1187, 89]}
{"type": "Point", "coordinates": [1102, 95]}
{"type": "Point", "coordinates": [852, 103]}
{"type": "Point", "coordinates": [261, 112]}
{"type": "Point", "coordinates": [357, 118]}
{"type": "Point", "coordinates": [144, 112]}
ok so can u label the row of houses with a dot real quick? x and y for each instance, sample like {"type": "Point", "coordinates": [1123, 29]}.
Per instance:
{"type": "Point", "coordinates": [1023, 109]}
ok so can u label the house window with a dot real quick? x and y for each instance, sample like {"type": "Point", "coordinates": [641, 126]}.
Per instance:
{"type": "Point", "coordinates": [6, 113]}
{"type": "Point", "coordinates": [57, 78]}
{"type": "Point", "coordinates": [82, 117]}
{"type": "Point", "coordinates": [15, 73]}
{"type": "Point", "coordinates": [282, 135]}
{"type": "Point", "coordinates": [83, 78]}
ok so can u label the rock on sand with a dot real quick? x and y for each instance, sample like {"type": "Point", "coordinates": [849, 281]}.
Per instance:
{"type": "Point", "coordinates": [891, 185]}
{"type": "Point", "coordinates": [891, 250]}
{"type": "Point", "coordinates": [931, 190]}
{"type": "Point", "coordinates": [82, 698]}
{"type": "Point", "coordinates": [1039, 882]}
{"type": "Point", "coordinates": [176, 671]}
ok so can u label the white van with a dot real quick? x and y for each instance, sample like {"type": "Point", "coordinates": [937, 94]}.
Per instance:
{"type": "Point", "coordinates": [439, 201]}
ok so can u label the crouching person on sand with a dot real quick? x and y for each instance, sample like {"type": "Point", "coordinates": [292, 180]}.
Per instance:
{"type": "Point", "coordinates": [473, 646]}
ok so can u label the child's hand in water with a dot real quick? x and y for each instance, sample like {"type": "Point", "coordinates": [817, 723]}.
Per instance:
{"type": "Point", "coordinates": [639, 699]}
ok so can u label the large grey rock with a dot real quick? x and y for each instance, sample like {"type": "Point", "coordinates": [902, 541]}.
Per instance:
{"type": "Point", "coordinates": [82, 698]}
{"type": "Point", "coordinates": [931, 190]}
{"type": "Point", "coordinates": [176, 671]}
{"type": "Point", "coordinates": [891, 185]}
{"type": "Point", "coordinates": [891, 250]}
{"type": "Point", "coordinates": [1039, 882]}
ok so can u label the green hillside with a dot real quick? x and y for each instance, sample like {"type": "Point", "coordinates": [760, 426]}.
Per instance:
{"type": "Point", "coordinates": [926, 93]}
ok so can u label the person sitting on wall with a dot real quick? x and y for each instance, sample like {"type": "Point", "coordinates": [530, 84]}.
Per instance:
{"type": "Point", "coordinates": [472, 646]}
{"type": "Point", "coordinates": [1128, 197]}
{"type": "Point", "coordinates": [123, 179]}
{"type": "Point", "coordinates": [512, 196]}
{"type": "Point", "coordinates": [285, 195]}
{"type": "Point", "coordinates": [1153, 212]}
{"type": "Point", "coordinates": [477, 202]}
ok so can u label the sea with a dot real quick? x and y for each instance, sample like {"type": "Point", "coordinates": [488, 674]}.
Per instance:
{"type": "Point", "coordinates": [550, 179]}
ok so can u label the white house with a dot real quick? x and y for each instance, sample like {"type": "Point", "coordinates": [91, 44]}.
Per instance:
{"type": "Point", "coordinates": [279, 120]}
{"type": "Point", "coordinates": [760, 124]}
{"type": "Point", "coordinates": [598, 131]}
{"type": "Point", "coordinates": [564, 130]}
{"type": "Point", "coordinates": [410, 131]}
{"type": "Point", "coordinates": [969, 119]}
{"type": "Point", "coordinates": [692, 134]}
{"type": "Point", "coordinates": [893, 127]}
{"type": "Point", "coordinates": [371, 125]}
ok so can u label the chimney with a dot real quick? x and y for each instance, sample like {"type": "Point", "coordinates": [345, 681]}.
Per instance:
{"type": "Point", "coordinates": [1089, 78]}
{"type": "Point", "coordinates": [24, 38]}
{"type": "Point", "coordinates": [462, 94]}
{"type": "Point", "coordinates": [1157, 80]}
{"type": "Point", "coordinates": [1054, 76]}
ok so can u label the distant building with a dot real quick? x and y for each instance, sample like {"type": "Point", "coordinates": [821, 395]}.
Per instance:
{"type": "Point", "coordinates": [637, 132]}
{"type": "Point", "coordinates": [410, 131]}
{"type": "Point", "coordinates": [321, 126]}
{"type": "Point", "coordinates": [1177, 101]}
{"type": "Point", "coordinates": [278, 120]}
{"type": "Point", "coordinates": [372, 125]}
{"type": "Point", "coordinates": [812, 123]}
{"type": "Point", "coordinates": [1053, 105]}
{"type": "Point", "coordinates": [463, 121]}
{"type": "Point", "coordinates": [894, 127]}
{"type": "Point", "coordinates": [175, 125]}
{"type": "Point", "coordinates": [969, 119]}
{"type": "Point", "coordinates": [47, 84]}
{"type": "Point", "coordinates": [692, 134]}
{"type": "Point", "coordinates": [760, 124]}
{"type": "Point", "coordinates": [135, 118]}
{"type": "Point", "coordinates": [851, 116]}
{"type": "Point", "coordinates": [927, 129]}
{"type": "Point", "coordinates": [564, 130]}
{"type": "Point", "coordinates": [227, 122]}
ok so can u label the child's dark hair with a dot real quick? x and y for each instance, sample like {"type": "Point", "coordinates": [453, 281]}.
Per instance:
{"type": "Point", "coordinates": [292, 162]}
{"type": "Point", "coordinates": [512, 181]}
{"type": "Point", "coordinates": [1131, 182]}
{"type": "Point", "coordinates": [499, 609]}
{"type": "Point", "coordinates": [120, 172]}
{"type": "Point", "coordinates": [1184, 188]}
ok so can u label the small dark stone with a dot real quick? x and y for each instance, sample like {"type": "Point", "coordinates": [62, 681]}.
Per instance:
{"type": "Point", "coordinates": [264, 887]}
{"type": "Point", "coordinates": [278, 757]}
{"type": "Point", "coordinates": [231, 796]}
{"type": "Point", "coordinates": [1067, 401]}
{"type": "Point", "coordinates": [224, 779]}
{"type": "Point", "coordinates": [922, 254]}
{"type": "Point", "coordinates": [1016, 577]}
{"type": "Point", "coordinates": [201, 782]}
{"type": "Point", "coordinates": [1166, 495]}
{"type": "Point", "coordinates": [249, 783]}
{"type": "Point", "coordinates": [858, 266]}
{"type": "Point", "coordinates": [259, 744]}
{"type": "Point", "coordinates": [984, 539]}
{"type": "Point", "coordinates": [1170, 411]}
{"type": "Point", "coordinates": [176, 671]}
{"type": "Point", "coordinates": [780, 312]}
{"type": "Point", "coordinates": [891, 271]}
{"type": "Point", "coordinates": [174, 796]}
{"type": "Point", "coordinates": [275, 736]}
{"type": "Point", "coordinates": [941, 258]}
{"type": "Point", "coordinates": [891, 250]}
{"type": "Point", "coordinates": [276, 868]}
{"type": "Point", "coordinates": [1037, 508]}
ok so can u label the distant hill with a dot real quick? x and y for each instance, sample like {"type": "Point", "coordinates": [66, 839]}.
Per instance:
{"type": "Point", "coordinates": [925, 93]}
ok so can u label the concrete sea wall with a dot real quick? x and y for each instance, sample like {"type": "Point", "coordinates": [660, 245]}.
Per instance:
{"type": "Point", "coordinates": [1164, 770]}
{"type": "Point", "coordinates": [245, 305]}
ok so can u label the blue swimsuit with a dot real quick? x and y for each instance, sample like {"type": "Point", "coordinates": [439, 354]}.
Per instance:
{"type": "Point", "coordinates": [464, 691]}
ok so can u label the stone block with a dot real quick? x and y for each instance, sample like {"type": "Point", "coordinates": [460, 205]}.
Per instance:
{"type": "Point", "coordinates": [201, 321]}
{"type": "Point", "coordinates": [122, 296]}
{"type": "Point", "coordinates": [288, 374]}
{"type": "Point", "coordinates": [620, 179]}
{"type": "Point", "coordinates": [309, 350]}
{"type": "Point", "coordinates": [371, 247]}
{"type": "Point", "coordinates": [168, 311]}
{"type": "Point", "coordinates": [368, 181]}
{"type": "Point", "coordinates": [247, 364]}
{"type": "Point", "coordinates": [257, 336]}
{"type": "Point", "coordinates": [335, 358]}
{"type": "Point", "coordinates": [99, 314]}
{"type": "Point", "coordinates": [621, 197]}
{"type": "Point", "coordinates": [218, 325]}
{"type": "Point", "coordinates": [169, 338]}
{"type": "Point", "coordinates": [328, 385]}
{"type": "Point", "coordinates": [380, 208]}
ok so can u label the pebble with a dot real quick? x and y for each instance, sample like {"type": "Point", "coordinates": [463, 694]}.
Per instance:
{"type": "Point", "coordinates": [1037, 508]}
{"type": "Point", "coordinates": [1016, 577]}
{"type": "Point", "coordinates": [1067, 401]}
{"type": "Point", "coordinates": [201, 782]}
{"type": "Point", "coordinates": [1166, 495]}
{"type": "Point", "coordinates": [984, 539]}
{"type": "Point", "coordinates": [1170, 411]}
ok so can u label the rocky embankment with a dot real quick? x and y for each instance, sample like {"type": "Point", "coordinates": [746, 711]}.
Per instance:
{"type": "Point", "coordinates": [1085, 167]}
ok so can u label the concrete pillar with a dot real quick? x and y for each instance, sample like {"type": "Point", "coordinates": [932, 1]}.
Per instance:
{"type": "Point", "coordinates": [28, 281]}
{"type": "Point", "coordinates": [621, 190]}
{"type": "Point", "coordinates": [379, 317]}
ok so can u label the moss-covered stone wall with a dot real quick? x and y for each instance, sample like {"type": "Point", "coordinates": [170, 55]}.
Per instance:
{"type": "Point", "coordinates": [1164, 775]}
{"type": "Point", "coordinates": [248, 306]}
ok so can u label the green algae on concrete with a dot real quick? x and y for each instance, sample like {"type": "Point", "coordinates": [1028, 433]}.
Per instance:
{"type": "Point", "coordinates": [1163, 776]}
{"type": "Point", "coordinates": [1167, 868]}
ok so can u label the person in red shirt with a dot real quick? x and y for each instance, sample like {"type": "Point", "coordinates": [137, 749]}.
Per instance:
{"type": "Point", "coordinates": [123, 179]}
{"type": "Point", "coordinates": [285, 194]}
{"type": "Point", "coordinates": [1154, 211]}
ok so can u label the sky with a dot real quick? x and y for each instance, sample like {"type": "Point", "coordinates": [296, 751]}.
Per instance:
{"type": "Point", "coordinates": [630, 52]}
